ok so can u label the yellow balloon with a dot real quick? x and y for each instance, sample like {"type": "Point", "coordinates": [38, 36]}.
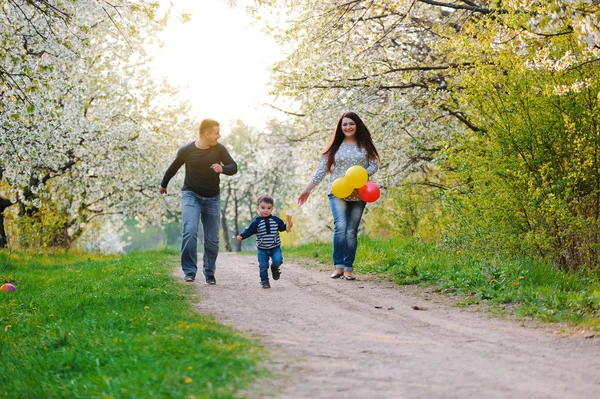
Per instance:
{"type": "Point", "coordinates": [340, 189]}
{"type": "Point", "coordinates": [356, 176]}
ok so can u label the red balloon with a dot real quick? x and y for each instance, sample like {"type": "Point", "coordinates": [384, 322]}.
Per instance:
{"type": "Point", "coordinates": [369, 192]}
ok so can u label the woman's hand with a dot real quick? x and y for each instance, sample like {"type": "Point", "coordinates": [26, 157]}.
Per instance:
{"type": "Point", "coordinates": [304, 194]}
{"type": "Point", "coordinates": [303, 197]}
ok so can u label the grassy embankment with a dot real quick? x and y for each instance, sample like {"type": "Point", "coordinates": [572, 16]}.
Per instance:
{"type": "Point", "coordinates": [95, 326]}
{"type": "Point", "coordinates": [533, 288]}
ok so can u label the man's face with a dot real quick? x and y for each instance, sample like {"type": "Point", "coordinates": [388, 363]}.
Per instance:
{"type": "Point", "coordinates": [212, 135]}
{"type": "Point", "coordinates": [264, 209]}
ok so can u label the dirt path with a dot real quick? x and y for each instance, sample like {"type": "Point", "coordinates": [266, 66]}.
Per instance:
{"type": "Point", "coordinates": [362, 339]}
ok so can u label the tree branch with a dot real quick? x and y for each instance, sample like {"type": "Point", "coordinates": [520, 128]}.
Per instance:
{"type": "Point", "coordinates": [284, 111]}
{"type": "Point", "coordinates": [463, 119]}
{"type": "Point", "coordinates": [482, 10]}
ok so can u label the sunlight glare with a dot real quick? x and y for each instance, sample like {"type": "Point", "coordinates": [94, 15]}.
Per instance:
{"type": "Point", "coordinates": [221, 61]}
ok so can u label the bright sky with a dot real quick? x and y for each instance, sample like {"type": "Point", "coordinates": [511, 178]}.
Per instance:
{"type": "Point", "coordinates": [221, 59]}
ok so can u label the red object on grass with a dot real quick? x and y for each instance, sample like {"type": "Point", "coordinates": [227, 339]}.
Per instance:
{"type": "Point", "coordinates": [7, 287]}
{"type": "Point", "coordinates": [369, 192]}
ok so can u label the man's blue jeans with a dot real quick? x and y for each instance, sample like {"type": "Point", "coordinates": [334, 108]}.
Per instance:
{"type": "Point", "coordinates": [263, 261]}
{"type": "Point", "coordinates": [196, 208]}
{"type": "Point", "coordinates": [346, 218]}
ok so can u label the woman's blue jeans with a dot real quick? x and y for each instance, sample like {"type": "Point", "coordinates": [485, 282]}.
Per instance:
{"type": "Point", "coordinates": [196, 208]}
{"type": "Point", "coordinates": [346, 218]}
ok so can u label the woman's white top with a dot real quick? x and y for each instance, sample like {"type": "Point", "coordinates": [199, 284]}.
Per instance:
{"type": "Point", "coordinates": [346, 156]}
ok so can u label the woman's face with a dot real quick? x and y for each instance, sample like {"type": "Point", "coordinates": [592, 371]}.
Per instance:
{"type": "Point", "coordinates": [348, 127]}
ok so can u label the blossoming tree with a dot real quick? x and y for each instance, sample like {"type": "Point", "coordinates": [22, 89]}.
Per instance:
{"type": "Point", "coordinates": [86, 128]}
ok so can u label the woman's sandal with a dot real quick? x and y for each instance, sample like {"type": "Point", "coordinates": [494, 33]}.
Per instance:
{"type": "Point", "coordinates": [350, 277]}
{"type": "Point", "coordinates": [335, 275]}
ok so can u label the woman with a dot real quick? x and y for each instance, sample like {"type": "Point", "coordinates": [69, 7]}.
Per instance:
{"type": "Point", "coordinates": [350, 145]}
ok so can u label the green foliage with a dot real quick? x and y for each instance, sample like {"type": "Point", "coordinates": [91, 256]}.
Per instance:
{"type": "Point", "coordinates": [319, 251]}
{"type": "Point", "coordinates": [42, 228]}
{"type": "Point", "coordinates": [408, 210]}
{"type": "Point", "coordinates": [530, 175]}
{"type": "Point", "coordinates": [113, 326]}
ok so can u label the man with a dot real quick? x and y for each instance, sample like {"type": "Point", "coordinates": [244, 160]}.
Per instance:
{"type": "Point", "coordinates": [205, 159]}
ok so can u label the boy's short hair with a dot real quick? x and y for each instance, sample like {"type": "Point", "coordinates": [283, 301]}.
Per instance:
{"type": "Point", "coordinates": [207, 124]}
{"type": "Point", "coordinates": [266, 198]}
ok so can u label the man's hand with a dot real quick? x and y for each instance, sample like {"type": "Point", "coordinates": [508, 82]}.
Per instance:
{"type": "Point", "coordinates": [217, 168]}
{"type": "Point", "coordinates": [163, 190]}
{"type": "Point", "coordinates": [239, 238]}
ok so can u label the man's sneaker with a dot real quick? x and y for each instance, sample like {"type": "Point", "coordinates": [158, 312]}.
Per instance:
{"type": "Point", "coordinates": [211, 280]}
{"type": "Point", "coordinates": [276, 273]}
{"type": "Point", "coordinates": [188, 279]}
{"type": "Point", "coordinates": [265, 284]}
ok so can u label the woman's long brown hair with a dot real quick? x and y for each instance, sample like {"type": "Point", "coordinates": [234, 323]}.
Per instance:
{"type": "Point", "coordinates": [362, 136]}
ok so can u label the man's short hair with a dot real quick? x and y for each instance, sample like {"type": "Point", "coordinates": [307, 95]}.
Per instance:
{"type": "Point", "coordinates": [267, 199]}
{"type": "Point", "coordinates": [207, 124]}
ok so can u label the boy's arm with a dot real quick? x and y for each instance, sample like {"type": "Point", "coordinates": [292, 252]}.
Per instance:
{"type": "Point", "coordinates": [280, 224]}
{"type": "Point", "coordinates": [250, 230]}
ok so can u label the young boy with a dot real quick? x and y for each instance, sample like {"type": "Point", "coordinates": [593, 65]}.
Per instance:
{"type": "Point", "coordinates": [267, 227]}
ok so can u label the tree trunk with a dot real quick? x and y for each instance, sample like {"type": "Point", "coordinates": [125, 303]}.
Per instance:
{"type": "Point", "coordinates": [224, 220]}
{"type": "Point", "coordinates": [60, 238]}
{"type": "Point", "coordinates": [4, 203]}
{"type": "Point", "coordinates": [236, 222]}
{"type": "Point", "coordinates": [250, 210]}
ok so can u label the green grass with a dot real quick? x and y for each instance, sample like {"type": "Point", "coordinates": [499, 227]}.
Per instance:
{"type": "Point", "coordinates": [96, 326]}
{"type": "Point", "coordinates": [536, 288]}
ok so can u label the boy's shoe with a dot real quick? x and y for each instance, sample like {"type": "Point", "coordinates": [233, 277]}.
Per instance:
{"type": "Point", "coordinates": [211, 280]}
{"type": "Point", "coordinates": [265, 284]}
{"type": "Point", "coordinates": [189, 279]}
{"type": "Point", "coordinates": [276, 273]}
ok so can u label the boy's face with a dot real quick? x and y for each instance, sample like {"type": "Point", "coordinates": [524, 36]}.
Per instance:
{"type": "Point", "coordinates": [264, 209]}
